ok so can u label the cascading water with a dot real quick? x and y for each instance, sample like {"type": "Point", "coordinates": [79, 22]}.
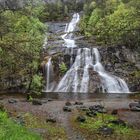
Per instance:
{"type": "Point", "coordinates": [72, 81]}
{"type": "Point", "coordinates": [49, 76]}
{"type": "Point", "coordinates": [110, 83]}
{"type": "Point", "coordinates": [77, 77]}
{"type": "Point", "coordinates": [69, 41]}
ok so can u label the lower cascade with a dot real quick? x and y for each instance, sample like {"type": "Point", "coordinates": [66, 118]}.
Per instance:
{"type": "Point", "coordinates": [110, 83]}
{"type": "Point", "coordinates": [89, 58]}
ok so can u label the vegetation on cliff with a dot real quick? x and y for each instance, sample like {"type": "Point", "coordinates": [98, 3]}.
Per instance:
{"type": "Point", "coordinates": [21, 38]}
{"type": "Point", "coordinates": [112, 22]}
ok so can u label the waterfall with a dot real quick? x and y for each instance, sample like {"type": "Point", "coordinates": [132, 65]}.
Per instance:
{"type": "Point", "coordinates": [77, 78]}
{"type": "Point", "coordinates": [67, 37]}
{"type": "Point", "coordinates": [49, 76]}
{"type": "Point", "coordinates": [110, 83]}
{"type": "Point", "coordinates": [72, 81]}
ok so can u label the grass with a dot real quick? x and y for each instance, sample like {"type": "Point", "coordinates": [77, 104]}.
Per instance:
{"type": "Point", "coordinates": [9, 130]}
{"type": "Point", "coordinates": [90, 128]}
{"type": "Point", "coordinates": [52, 130]}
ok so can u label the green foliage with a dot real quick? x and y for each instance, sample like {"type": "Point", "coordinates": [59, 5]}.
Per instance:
{"type": "Point", "coordinates": [36, 84]}
{"type": "Point", "coordinates": [55, 11]}
{"type": "Point", "coordinates": [21, 40]}
{"type": "Point", "coordinates": [63, 68]}
{"type": "Point", "coordinates": [90, 127]}
{"type": "Point", "coordinates": [113, 22]}
{"type": "Point", "coordinates": [13, 131]}
{"type": "Point", "coordinates": [94, 123]}
{"type": "Point", "coordinates": [30, 98]}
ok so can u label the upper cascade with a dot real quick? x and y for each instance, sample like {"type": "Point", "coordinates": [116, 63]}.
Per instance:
{"type": "Point", "coordinates": [67, 37]}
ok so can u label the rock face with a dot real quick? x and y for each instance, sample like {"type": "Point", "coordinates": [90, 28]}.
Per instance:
{"type": "Point", "coordinates": [123, 62]}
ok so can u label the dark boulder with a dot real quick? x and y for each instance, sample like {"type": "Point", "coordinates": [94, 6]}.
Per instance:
{"type": "Point", "coordinates": [91, 113]}
{"type": "Point", "coordinates": [78, 103]}
{"type": "Point", "coordinates": [67, 109]}
{"type": "Point", "coordinates": [114, 112]}
{"type": "Point", "coordinates": [36, 102]}
{"type": "Point", "coordinates": [12, 101]}
{"type": "Point", "coordinates": [118, 122]}
{"type": "Point", "coordinates": [105, 130]}
{"type": "Point", "coordinates": [51, 119]}
{"type": "Point", "coordinates": [50, 100]}
{"type": "Point", "coordinates": [81, 119]}
{"type": "Point", "coordinates": [82, 108]}
{"type": "Point", "coordinates": [98, 108]}
{"type": "Point", "coordinates": [68, 103]}
{"type": "Point", "coordinates": [134, 106]}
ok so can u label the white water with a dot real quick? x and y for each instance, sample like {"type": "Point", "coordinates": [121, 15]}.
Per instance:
{"type": "Point", "coordinates": [110, 83]}
{"type": "Point", "coordinates": [72, 81]}
{"type": "Point", "coordinates": [69, 41]}
{"type": "Point", "coordinates": [49, 76]}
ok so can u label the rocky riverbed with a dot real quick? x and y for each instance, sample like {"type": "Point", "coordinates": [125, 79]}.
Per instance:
{"type": "Point", "coordinates": [58, 113]}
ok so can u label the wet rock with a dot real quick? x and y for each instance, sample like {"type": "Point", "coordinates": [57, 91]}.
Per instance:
{"type": "Point", "coordinates": [67, 109]}
{"type": "Point", "coordinates": [118, 122]}
{"type": "Point", "coordinates": [95, 107]}
{"type": "Point", "coordinates": [78, 103]}
{"type": "Point", "coordinates": [114, 112]}
{"type": "Point", "coordinates": [50, 100]}
{"type": "Point", "coordinates": [68, 103]}
{"type": "Point", "coordinates": [103, 110]}
{"type": "Point", "coordinates": [51, 119]}
{"type": "Point", "coordinates": [81, 119]}
{"type": "Point", "coordinates": [36, 102]}
{"type": "Point", "coordinates": [94, 81]}
{"type": "Point", "coordinates": [12, 101]}
{"type": "Point", "coordinates": [82, 108]}
{"type": "Point", "coordinates": [105, 130]}
{"type": "Point", "coordinates": [134, 106]}
{"type": "Point", "coordinates": [91, 113]}
{"type": "Point", "coordinates": [98, 108]}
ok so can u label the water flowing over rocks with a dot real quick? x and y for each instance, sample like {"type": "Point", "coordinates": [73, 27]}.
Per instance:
{"type": "Point", "coordinates": [90, 68]}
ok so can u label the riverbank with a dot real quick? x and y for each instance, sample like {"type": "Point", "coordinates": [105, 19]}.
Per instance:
{"type": "Point", "coordinates": [34, 115]}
